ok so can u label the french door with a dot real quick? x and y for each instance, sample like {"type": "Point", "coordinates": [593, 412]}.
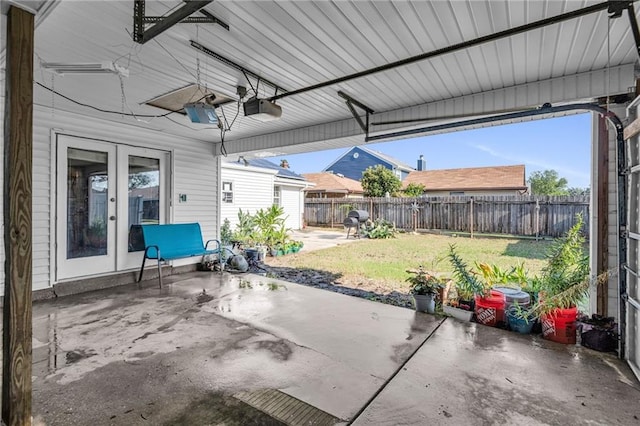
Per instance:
{"type": "Point", "coordinates": [105, 191]}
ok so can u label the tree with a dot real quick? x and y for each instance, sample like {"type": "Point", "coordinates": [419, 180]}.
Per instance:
{"type": "Point", "coordinates": [414, 190]}
{"type": "Point", "coordinates": [378, 181]}
{"type": "Point", "coordinates": [579, 191]}
{"type": "Point", "coordinates": [139, 180]}
{"type": "Point", "coordinates": [547, 183]}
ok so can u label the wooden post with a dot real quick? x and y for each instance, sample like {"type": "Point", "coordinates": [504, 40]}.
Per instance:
{"type": "Point", "coordinates": [331, 213]}
{"type": "Point", "coordinates": [602, 194]}
{"type": "Point", "coordinates": [18, 151]}
{"type": "Point", "coordinates": [471, 216]}
{"type": "Point", "coordinates": [537, 219]}
{"type": "Point", "coordinates": [371, 208]}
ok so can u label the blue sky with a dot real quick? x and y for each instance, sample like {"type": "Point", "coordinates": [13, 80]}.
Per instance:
{"type": "Point", "coordinates": [562, 144]}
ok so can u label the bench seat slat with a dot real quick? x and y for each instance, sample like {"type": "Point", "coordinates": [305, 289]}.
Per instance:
{"type": "Point", "coordinates": [170, 254]}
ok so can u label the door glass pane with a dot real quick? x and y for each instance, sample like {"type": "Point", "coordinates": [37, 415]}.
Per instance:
{"type": "Point", "coordinates": [144, 197]}
{"type": "Point", "coordinates": [87, 184]}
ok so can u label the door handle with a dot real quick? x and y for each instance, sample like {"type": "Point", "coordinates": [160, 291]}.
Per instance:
{"type": "Point", "coordinates": [112, 218]}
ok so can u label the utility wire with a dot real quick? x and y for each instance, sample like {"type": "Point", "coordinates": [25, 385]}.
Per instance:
{"type": "Point", "coordinates": [106, 111]}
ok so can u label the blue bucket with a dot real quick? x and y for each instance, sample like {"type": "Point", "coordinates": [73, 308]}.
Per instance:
{"type": "Point", "coordinates": [520, 325]}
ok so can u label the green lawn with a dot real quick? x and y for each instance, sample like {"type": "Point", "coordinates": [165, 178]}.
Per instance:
{"type": "Point", "coordinates": [383, 262]}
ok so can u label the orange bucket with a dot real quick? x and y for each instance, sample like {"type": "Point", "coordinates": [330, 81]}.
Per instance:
{"type": "Point", "coordinates": [560, 325]}
{"type": "Point", "coordinates": [490, 309]}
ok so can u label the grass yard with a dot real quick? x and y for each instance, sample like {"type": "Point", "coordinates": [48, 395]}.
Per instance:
{"type": "Point", "coordinates": [380, 265]}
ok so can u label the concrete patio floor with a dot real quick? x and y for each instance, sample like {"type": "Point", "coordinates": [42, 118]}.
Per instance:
{"type": "Point", "coordinates": [208, 348]}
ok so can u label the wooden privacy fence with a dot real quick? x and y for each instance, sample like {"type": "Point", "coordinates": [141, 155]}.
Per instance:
{"type": "Point", "coordinates": [525, 215]}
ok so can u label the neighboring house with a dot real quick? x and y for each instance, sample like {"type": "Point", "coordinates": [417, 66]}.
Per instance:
{"type": "Point", "coordinates": [355, 161]}
{"type": "Point", "coordinates": [258, 185]}
{"type": "Point", "coordinates": [497, 180]}
{"type": "Point", "coordinates": [331, 185]}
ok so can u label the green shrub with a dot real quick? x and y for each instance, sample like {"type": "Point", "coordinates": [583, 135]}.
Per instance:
{"type": "Point", "coordinates": [379, 229]}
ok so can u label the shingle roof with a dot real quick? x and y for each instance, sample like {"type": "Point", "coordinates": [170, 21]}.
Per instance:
{"type": "Point", "coordinates": [282, 172]}
{"type": "Point", "coordinates": [329, 182]}
{"type": "Point", "coordinates": [387, 158]}
{"type": "Point", "coordinates": [471, 178]}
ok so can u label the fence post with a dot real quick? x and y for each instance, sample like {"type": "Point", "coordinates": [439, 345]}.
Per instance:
{"type": "Point", "coordinates": [331, 213]}
{"type": "Point", "coordinates": [537, 219]}
{"type": "Point", "coordinates": [471, 216]}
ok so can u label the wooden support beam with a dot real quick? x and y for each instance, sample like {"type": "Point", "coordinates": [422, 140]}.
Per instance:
{"type": "Point", "coordinates": [602, 238]}
{"type": "Point", "coordinates": [632, 129]}
{"type": "Point", "coordinates": [18, 149]}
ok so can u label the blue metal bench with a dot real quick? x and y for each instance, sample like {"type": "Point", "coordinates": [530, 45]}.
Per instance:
{"type": "Point", "coordinates": [173, 241]}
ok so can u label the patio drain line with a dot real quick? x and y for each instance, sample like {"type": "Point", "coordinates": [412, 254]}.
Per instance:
{"type": "Point", "coordinates": [395, 373]}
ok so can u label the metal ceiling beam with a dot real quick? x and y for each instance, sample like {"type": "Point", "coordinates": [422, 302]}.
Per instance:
{"type": "Point", "coordinates": [543, 110]}
{"type": "Point", "coordinates": [215, 20]}
{"type": "Point", "coordinates": [351, 104]}
{"type": "Point", "coordinates": [189, 20]}
{"type": "Point", "coordinates": [234, 65]}
{"type": "Point", "coordinates": [208, 18]}
{"type": "Point", "coordinates": [140, 35]}
{"type": "Point", "coordinates": [459, 46]}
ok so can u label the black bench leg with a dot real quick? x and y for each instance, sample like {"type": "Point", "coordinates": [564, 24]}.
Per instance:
{"type": "Point", "coordinates": [159, 272]}
{"type": "Point", "coordinates": [144, 259]}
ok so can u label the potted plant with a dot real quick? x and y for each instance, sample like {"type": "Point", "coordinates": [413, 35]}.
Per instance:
{"type": "Point", "coordinates": [520, 319]}
{"type": "Point", "coordinates": [503, 289]}
{"type": "Point", "coordinates": [598, 333]}
{"type": "Point", "coordinates": [451, 304]}
{"type": "Point", "coordinates": [468, 285]}
{"type": "Point", "coordinates": [563, 284]}
{"type": "Point", "coordinates": [226, 236]}
{"type": "Point", "coordinates": [424, 289]}
{"type": "Point", "coordinates": [279, 237]}
{"type": "Point", "coordinates": [245, 229]}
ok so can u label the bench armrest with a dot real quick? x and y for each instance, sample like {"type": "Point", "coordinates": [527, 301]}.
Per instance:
{"type": "Point", "coordinates": [146, 252]}
{"type": "Point", "coordinates": [217, 244]}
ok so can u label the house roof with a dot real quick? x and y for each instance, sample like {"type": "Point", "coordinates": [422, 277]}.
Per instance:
{"type": "Point", "coordinates": [329, 182]}
{"type": "Point", "coordinates": [399, 164]}
{"type": "Point", "coordinates": [384, 157]}
{"type": "Point", "coordinates": [282, 172]}
{"type": "Point", "coordinates": [470, 178]}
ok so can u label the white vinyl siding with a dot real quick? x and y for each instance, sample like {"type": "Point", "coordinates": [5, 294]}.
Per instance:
{"type": "Point", "coordinates": [252, 191]}
{"type": "Point", "coordinates": [194, 168]}
{"type": "Point", "coordinates": [291, 198]}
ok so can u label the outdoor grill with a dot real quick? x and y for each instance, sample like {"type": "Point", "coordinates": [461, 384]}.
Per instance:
{"type": "Point", "coordinates": [353, 221]}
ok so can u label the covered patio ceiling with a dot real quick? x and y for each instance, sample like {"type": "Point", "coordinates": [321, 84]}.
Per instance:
{"type": "Point", "coordinates": [297, 44]}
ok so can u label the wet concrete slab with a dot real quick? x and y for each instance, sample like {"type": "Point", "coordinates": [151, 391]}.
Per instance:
{"type": "Point", "coordinates": [132, 355]}
{"type": "Point", "coordinates": [472, 374]}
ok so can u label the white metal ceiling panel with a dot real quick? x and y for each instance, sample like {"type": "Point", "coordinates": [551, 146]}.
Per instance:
{"type": "Point", "coordinates": [301, 43]}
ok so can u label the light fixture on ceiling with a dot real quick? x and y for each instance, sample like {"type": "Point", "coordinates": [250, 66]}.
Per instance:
{"type": "Point", "coordinates": [85, 68]}
{"type": "Point", "coordinates": [262, 109]}
{"type": "Point", "coordinates": [201, 112]}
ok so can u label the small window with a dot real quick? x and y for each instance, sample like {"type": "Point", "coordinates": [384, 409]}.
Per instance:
{"type": "Point", "coordinates": [277, 196]}
{"type": "Point", "coordinates": [456, 193]}
{"type": "Point", "coordinates": [227, 192]}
